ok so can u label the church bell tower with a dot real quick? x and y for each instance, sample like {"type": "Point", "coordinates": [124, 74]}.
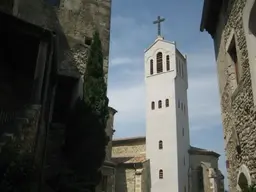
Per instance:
{"type": "Point", "coordinates": [167, 125]}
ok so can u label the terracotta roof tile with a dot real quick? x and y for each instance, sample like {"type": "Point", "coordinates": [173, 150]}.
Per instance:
{"type": "Point", "coordinates": [126, 160]}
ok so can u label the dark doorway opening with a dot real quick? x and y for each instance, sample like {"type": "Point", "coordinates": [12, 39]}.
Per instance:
{"type": "Point", "coordinates": [63, 99]}
{"type": "Point", "coordinates": [242, 182]}
{"type": "Point", "coordinates": [18, 58]}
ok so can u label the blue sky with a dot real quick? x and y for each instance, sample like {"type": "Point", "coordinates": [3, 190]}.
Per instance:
{"type": "Point", "coordinates": [132, 31]}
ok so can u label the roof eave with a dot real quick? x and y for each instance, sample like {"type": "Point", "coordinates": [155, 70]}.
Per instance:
{"type": "Point", "coordinates": [204, 15]}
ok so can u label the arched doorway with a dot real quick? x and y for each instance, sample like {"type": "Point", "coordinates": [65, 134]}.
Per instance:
{"type": "Point", "coordinates": [242, 182]}
{"type": "Point", "coordinates": [243, 178]}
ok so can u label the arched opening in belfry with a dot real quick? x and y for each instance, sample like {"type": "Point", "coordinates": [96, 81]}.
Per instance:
{"type": "Point", "coordinates": [242, 182]}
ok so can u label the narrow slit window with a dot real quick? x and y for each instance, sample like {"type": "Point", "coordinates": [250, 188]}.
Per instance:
{"type": "Point", "coordinates": [159, 62]}
{"type": "Point", "coordinates": [159, 104]}
{"type": "Point", "coordinates": [167, 63]}
{"type": "Point", "coordinates": [233, 54]}
{"type": "Point", "coordinates": [151, 67]}
{"type": "Point", "coordinates": [152, 105]}
{"type": "Point", "coordinates": [161, 174]}
{"type": "Point", "coordinates": [182, 72]}
{"type": "Point", "coordinates": [167, 102]}
{"type": "Point", "coordinates": [160, 144]}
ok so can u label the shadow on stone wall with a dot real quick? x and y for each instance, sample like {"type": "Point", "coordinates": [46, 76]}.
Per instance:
{"type": "Point", "coordinates": [121, 179]}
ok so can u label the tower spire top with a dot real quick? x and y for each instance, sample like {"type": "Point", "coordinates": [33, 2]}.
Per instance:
{"type": "Point", "coordinates": [158, 22]}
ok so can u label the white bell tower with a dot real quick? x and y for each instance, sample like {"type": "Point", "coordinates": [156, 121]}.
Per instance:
{"type": "Point", "coordinates": [167, 124]}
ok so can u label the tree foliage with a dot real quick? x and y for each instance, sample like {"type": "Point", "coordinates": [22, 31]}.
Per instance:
{"type": "Point", "coordinates": [251, 188]}
{"type": "Point", "coordinates": [86, 137]}
{"type": "Point", "coordinates": [18, 170]}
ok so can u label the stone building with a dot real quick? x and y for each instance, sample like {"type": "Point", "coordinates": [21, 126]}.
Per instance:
{"type": "Point", "coordinates": [231, 24]}
{"type": "Point", "coordinates": [133, 168]}
{"type": "Point", "coordinates": [44, 47]}
{"type": "Point", "coordinates": [107, 183]}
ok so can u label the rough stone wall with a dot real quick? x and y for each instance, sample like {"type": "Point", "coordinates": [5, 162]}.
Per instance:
{"type": "Point", "coordinates": [125, 177]}
{"type": "Point", "coordinates": [195, 162]}
{"type": "Point", "coordinates": [80, 18]}
{"type": "Point", "coordinates": [109, 132]}
{"type": "Point", "coordinates": [128, 150]}
{"type": "Point", "coordinates": [238, 114]}
{"type": "Point", "coordinates": [125, 180]}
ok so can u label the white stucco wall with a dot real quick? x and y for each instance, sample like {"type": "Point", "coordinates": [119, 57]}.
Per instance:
{"type": "Point", "coordinates": [163, 124]}
{"type": "Point", "coordinates": [182, 122]}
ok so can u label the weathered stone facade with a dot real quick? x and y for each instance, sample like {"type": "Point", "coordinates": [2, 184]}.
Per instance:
{"type": "Point", "coordinates": [108, 169]}
{"type": "Point", "coordinates": [226, 26]}
{"type": "Point", "coordinates": [133, 169]}
{"type": "Point", "coordinates": [204, 172]}
{"type": "Point", "coordinates": [60, 58]}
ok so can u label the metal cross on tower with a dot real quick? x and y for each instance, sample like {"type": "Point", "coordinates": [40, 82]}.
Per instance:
{"type": "Point", "coordinates": [158, 22]}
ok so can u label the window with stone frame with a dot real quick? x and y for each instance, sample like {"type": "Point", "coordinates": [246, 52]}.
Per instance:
{"type": "Point", "coordinates": [159, 104]}
{"type": "Point", "coordinates": [152, 105]}
{"type": "Point", "coordinates": [55, 3]}
{"type": "Point", "coordinates": [159, 62]}
{"type": "Point", "coordinates": [161, 174]}
{"type": "Point", "coordinates": [233, 55]}
{"type": "Point", "coordinates": [160, 144]}
{"type": "Point", "coordinates": [151, 67]}
{"type": "Point", "coordinates": [167, 63]}
{"type": "Point", "coordinates": [167, 103]}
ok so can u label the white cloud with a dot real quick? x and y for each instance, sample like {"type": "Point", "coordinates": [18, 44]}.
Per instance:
{"type": "Point", "coordinates": [125, 61]}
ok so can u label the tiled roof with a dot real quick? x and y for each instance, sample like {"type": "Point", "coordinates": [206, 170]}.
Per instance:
{"type": "Point", "coordinates": [128, 140]}
{"type": "Point", "coordinates": [127, 160]}
{"type": "Point", "coordinates": [200, 151]}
